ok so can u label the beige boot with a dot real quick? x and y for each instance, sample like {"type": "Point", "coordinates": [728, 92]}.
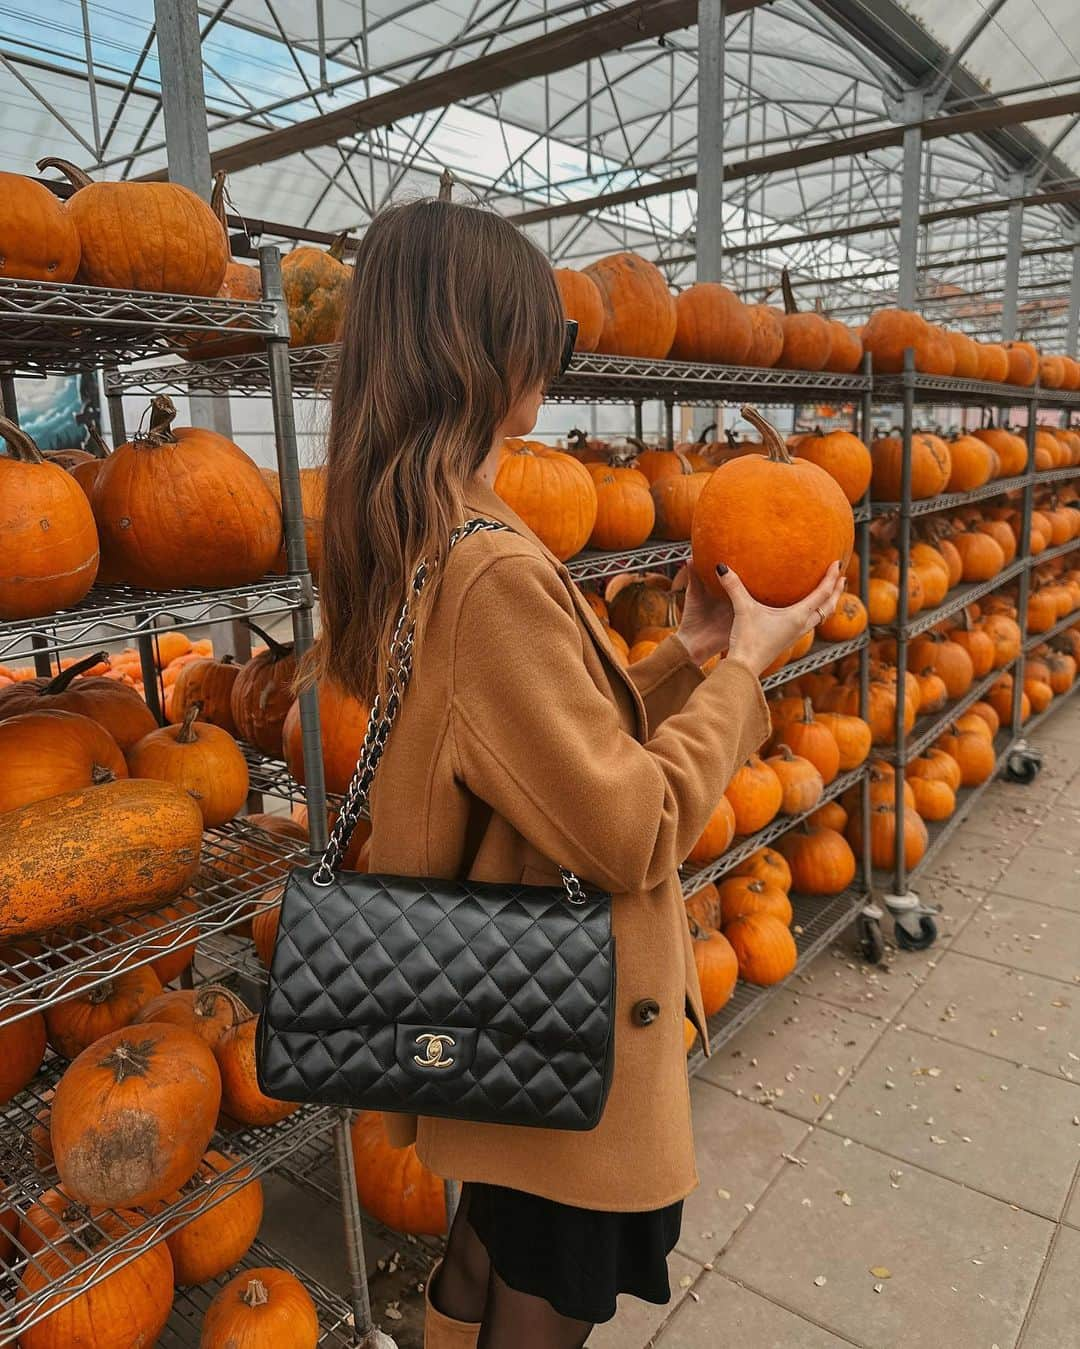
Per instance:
{"type": "Point", "coordinates": [443, 1332]}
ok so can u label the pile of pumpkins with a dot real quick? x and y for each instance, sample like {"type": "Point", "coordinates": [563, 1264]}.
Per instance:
{"type": "Point", "coordinates": [150, 1075]}
{"type": "Point", "coordinates": [624, 307]}
{"type": "Point", "coordinates": [109, 234]}
{"type": "Point", "coordinates": [966, 461]}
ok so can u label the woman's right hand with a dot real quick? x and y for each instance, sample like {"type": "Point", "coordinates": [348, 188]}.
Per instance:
{"type": "Point", "coordinates": [759, 633]}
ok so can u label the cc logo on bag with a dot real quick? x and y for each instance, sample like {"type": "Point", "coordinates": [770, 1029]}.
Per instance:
{"type": "Point", "coordinates": [433, 1050]}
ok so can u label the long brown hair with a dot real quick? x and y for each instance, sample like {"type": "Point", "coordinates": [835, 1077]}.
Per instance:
{"type": "Point", "coordinates": [453, 315]}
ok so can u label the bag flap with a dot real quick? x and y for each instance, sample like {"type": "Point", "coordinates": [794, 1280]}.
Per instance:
{"type": "Point", "coordinates": [515, 960]}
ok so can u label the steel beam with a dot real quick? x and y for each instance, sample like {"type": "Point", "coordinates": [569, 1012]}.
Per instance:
{"type": "Point", "coordinates": [710, 121]}
{"type": "Point", "coordinates": [1013, 247]}
{"type": "Point", "coordinates": [839, 148]}
{"type": "Point", "coordinates": [560, 49]}
{"type": "Point", "coordinates": [182, 95]}
{"type": "Point", "coordinates": [1073, 319]}
{"type": "Point", "coordinates": [910, 192]}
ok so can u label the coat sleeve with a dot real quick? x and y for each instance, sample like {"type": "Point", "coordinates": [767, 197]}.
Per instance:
{"type": "Point", "coordinates": [535, 738]}
{"type": "Point", "coordinates": [665, 679]}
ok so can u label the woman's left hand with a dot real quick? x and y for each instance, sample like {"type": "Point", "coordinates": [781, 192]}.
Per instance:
{"type": "Point", "coordinates": [706, 622]}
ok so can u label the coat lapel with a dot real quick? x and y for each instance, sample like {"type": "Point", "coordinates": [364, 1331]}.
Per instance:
{"type": "Point", "coordinates": [482, 500]}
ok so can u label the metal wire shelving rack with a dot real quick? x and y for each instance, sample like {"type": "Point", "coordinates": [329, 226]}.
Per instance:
{"type": "Point", "coordinates": [53, 329]}
{"type": "Point", "coordinates": [914, 921]}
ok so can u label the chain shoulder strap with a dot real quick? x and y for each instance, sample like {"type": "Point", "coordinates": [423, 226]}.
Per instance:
{"type": "Point", "coordinates": [381, 721]}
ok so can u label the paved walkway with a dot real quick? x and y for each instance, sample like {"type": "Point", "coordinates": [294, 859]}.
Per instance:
{"type": "Point", "coordinates": [891, 1157]}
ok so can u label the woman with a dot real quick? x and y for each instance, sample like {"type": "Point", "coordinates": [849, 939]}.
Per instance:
{"type": "Point", "coordinates": [522, 745]}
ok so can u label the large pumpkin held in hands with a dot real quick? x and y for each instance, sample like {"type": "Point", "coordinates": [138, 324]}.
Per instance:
{"type": "Point", "coordinates": [639, 310]}
{"type": "Point", "coordinates": [778, 523]}
{"type": "Point", "coordinates": [144, 236]}
{"type": "Point", "coordinates": [48, 540]}
{"type": "Point", "coordinates": [38, 238]}
{"type": "Point", "coordinates": [181, 507]}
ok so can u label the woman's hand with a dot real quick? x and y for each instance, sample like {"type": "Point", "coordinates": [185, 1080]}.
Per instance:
{"type": "Point", "coordinates": [758, 633]}
{"type": "Point", "coordinates": [705, 627]}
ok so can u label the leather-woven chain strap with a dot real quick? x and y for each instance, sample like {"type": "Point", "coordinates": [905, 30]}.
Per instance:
{"type": "Point", "coordinates": [382, 719]}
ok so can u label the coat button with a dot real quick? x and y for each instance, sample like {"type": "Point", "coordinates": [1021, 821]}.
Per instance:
{"type": "Point", "coordinates": [645, 1012]}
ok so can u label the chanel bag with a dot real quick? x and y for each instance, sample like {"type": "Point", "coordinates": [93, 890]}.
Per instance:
{"type": "Point", "coordinates": [461, 999]}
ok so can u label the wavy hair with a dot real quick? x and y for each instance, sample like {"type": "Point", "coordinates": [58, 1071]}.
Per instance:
{"type": "Point", "coordinates": [452, 316]}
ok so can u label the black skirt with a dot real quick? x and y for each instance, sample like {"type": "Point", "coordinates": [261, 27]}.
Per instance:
{"type": "Point", "coordinates": [575, 1258]}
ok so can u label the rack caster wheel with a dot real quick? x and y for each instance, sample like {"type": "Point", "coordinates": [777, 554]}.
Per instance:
{"type": "Point", "coordinates": [920, 941]}
{"type": "Point", "coordinates": [871, 940]}
{"type": "Point", "coordinates": [1023, 764]}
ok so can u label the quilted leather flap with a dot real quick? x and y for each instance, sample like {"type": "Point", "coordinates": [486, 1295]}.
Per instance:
{"type": "Point", "coordinates": [513, 960]}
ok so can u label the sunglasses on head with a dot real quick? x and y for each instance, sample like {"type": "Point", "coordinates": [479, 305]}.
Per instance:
{"type": "Point", "coordinates": [569, 339]}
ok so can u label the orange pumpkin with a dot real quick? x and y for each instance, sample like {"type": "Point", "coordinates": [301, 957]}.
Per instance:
{"type": "Point", "coordinates": [845, 349]}
{"type": "Point", "coordinates": [755, 795]}
{"type": "Point", "coordinates": [261, 1307]}
{"type": "Point", "coordinates": [852, 735]}
{"type": "Point", "coordinates": [993, 362]}
{"type": "Point", "coordinates": [711, 325]}
{"type": "Point", "coordinates": [717, 967]}
{"type": "Point", "coordinates": [203, 760]}
{"type": "Point", "coordinates": [1010, 448]}
{"type": "Point", "coordinates": [778, 523]}
{"type": "Point", "coordinates": [768, 865]}
{"type": "Point", "coordinates": [392, 1183]}
{"type": "Point", "coordinates": [74, 1024]}
{"type": "Point", "coordinates": [206, 1012]}
{"type": "Point", "coordinates": [48, 539]}
{"type": "Point", "coordinates": [22, 1047]}
{"type": "Point", "coordinates": [883, 836]}
{"type": "Point", "coordinates": [931, 465]}
{"type": "Point", "coordinates": [209, 683]}
{"type": "Point", "coordinates": [116, 708]}
{"type": "Point", "coordinates": [1023, 363]}
{"type": "Point", "coordinates": [981, 556]}
{"type": "Point", "coordinates": [214, 1239]}
{"type": "Point", "coordinates": [808, 738]}
{"type": "Point", "coordinates": [971, 464]}
{"type": "Point", "coordinates": [846, 622]}
{"type": "Point", "coordinates": [807, 338]}
{"type": "Point", "coordinates": [972, 751]}
{"type": "Point", "coordinates": [625, 513]}
{"type": "Point", "coordinates": [49, 752]}
{"type": "Point", "coordinates": [832, 815]}
{"type": "Point", "coordinates": [552, 492]}
{"type": "Point", "coordinates": [716, 836]}
{"type": "Point", "coordinates": [767, 336]}
{"type": "Point", "coordinates": [581, 301]}
{"type": "Point", "coordinates": [703, 907]}
{"type": "Point", "coordinates": [342, 725]}
{"type": "Point", "coordinates": [843, 456]}
{"type": "Point", "coordinates": [242, 1100]}
{"type": "Point", "coordinates": [261, 695]}
{"type": "Point", "coordinates": [675, 500]}
{"type": "Point", "coordinates": [38, 237]}
{"type": "Point", "coordinates": [946, 658]}
{"type": "Point", "coordinates": [889, 333]}
{"type": "Point", "coordinates": [800, 780]}
{"type": "Point", "coordinates": [934, 765]}
{"type": "Point", "coordinates": [639, 311]}
{"type": "Point", "coordinates": [820, 859]}
{"type": "Point", "coordinates": [741, 895]}
{"type": "Point", "coordinates": [764, 948]}
{"type": "Point", "coordinates": [933, 800]}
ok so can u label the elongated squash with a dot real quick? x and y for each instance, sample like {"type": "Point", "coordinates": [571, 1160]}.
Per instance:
{"type": "Point", "coordinates": [96, 852]}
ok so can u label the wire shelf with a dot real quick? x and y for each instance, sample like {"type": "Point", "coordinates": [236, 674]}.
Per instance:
{"type": "Point", "coordinates": [241, 864]}
{"type": "Point", "coordinates": [1037, 720]}
{"type": "Point", "coordinates": [253, 1152]}
{"type": "Point", "coordinates": [949, 500]}
{"type": "Point", "coordinates": [957, 598]}
{"type": "Point", "coordinates": [311, 369]}
{"type": "Point", "coordinates": [927, 729]}
{"type": "Point", "coordinates": [115, 612]}
{"type": "Point", "coordinates": [821, 653]}
{"type": "Point", "coordinates": [594, 565]}
{"type": "Point", "coordinates": [742, 848]}
{"type": "Point", "coordinates": [1037, 638]}
{"type": "Point", "coordinates": [47, 328]}
{"type": "Point", "coordinates": [1056, 474]}
{"type": "Point", "coordinates": [949, 389]}
{"type": "Point", "coordinates": [816, 923]}
{"type": "Point", "coordinates": [184, 1328]}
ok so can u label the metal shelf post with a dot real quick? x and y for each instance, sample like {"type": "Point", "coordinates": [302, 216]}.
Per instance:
{"type": "Point", "coordinates": [904, 546]}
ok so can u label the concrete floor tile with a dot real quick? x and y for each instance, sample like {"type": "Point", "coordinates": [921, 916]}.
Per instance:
{"type": "Point", "coordinates": [727, 1313]}
{"type": "Point", "coordinates": [1027, 936]}
{"type": "Point", "coordinates": [1055, 1312]}
{"type": "Point", "coordinates": [1058, 826]}
{"type": "Point", "coordinates": [1072, 1208]}
{"type": "Point", "coordinates": [1006, 1012]}
{"type": "Point", "coordinates": [972, 861]}
{"type": "Point", "coordinates": [637, 1322]}
{"type": "Point", "coordinates": [795, 1055]}
{"type": "Point", "coordinates": [840, 976]}
{"type": "Point", "coordinates": [1007, 1131]}
{"type": "Point", "coordinates": [1049, 875]}
{"type": "Point", "coordinates": [308, 1230]}
{"type": "Point", "coordinates": [740, 1148]}
{"type": "Point", "coordinates": [961, 1267]}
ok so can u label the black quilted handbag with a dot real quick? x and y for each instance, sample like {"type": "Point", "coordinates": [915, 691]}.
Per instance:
{"type": "Point", "coordinates": [484, 1002]}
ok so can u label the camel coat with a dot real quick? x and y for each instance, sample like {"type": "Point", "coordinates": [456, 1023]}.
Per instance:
{"type": "Point", "coordinates": [521, 745]}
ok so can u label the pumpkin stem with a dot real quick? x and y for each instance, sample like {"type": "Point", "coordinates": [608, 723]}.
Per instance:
{"type": "Point", "coordinates": [577, 439]}
{"type": "Point", "coordinates": [790, 307]}
{"type": "Point", "coordinates": [774, 441]}
{"type": "Point", "coordinates": [786, 753]}
{"type": "Point", "coordinates": [78, 178]}
{"type": "Point", "coordinates": [446, 186]}
{"type": "Point", "coordinates": [99, 775]}
{"type": "Point", "coordinates": [217, 198]}
{"type": "Point", "coordinates": [19, 443]}
{"type": "Point", "coordinates": [186, 734]}
{"type": "Point", "coordinates": [255, 1294]}
{"type": "Point", "coordinates": [66, 677]}
{"type": "Point", "coordinates": [757, 885]}
{"type": "Point", "coordinates": [638, 445]}
{"type": "Point", "coordinates": [162, 416]}
{"type": "Point", "coordinates": [130, 1058]}
{"type": "Point", "coordinates": [807, 711]}
{"type": "Point", "coordinates": [278, 650]}
{"type": "Point", "coordinates": [337, 247]}
{"type": "Point", "coordinates": [707, 434]}
{"type": "Point", "coordinates": [210, 994]}
{"type": "Point", "coordinates": [102, 993]}
{"type": "Point", "coordinates": [95, 442]}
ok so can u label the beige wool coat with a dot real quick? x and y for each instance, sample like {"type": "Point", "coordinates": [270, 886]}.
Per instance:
{"type": "Point", "coordinates": [522, 745]}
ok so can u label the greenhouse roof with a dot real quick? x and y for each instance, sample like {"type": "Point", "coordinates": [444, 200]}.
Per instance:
{"type": "Point", "coordinates": [323, 110]}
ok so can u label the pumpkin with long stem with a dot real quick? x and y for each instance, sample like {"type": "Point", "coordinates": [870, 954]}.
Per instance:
{"type": "Point", "coordinates": [261, 1307]}
{"type": "Point", "coordinates": [48, 539]}
{"type": "Point", "coordinates": [117, 709]}
{"type": "Point", "coordinates": [133, 1115]}
{"type": "Point", "coordinates": [181, 507]}
{"type": "Point", "coordinates": [807, 339]}
{"type": "Point", "coordinates": [778, 523]}
{"type": "Point", "coordinates": [810, 739]}
{"type": "Point", "coordinates": [144, 236]}
{"type": "Point", "coordinates": [203, 760]}
{"type": "Point", "coordinates": [207, 1012]}
{"type": "Point", "coordinates": [262, 694]}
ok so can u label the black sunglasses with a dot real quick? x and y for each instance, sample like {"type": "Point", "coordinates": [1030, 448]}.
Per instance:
{"type": "Point", "coordinates": [569, 340]}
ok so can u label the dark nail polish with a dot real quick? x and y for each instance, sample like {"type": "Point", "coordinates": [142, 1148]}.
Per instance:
{"type": "Point", "coordinates": [721, 569]}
